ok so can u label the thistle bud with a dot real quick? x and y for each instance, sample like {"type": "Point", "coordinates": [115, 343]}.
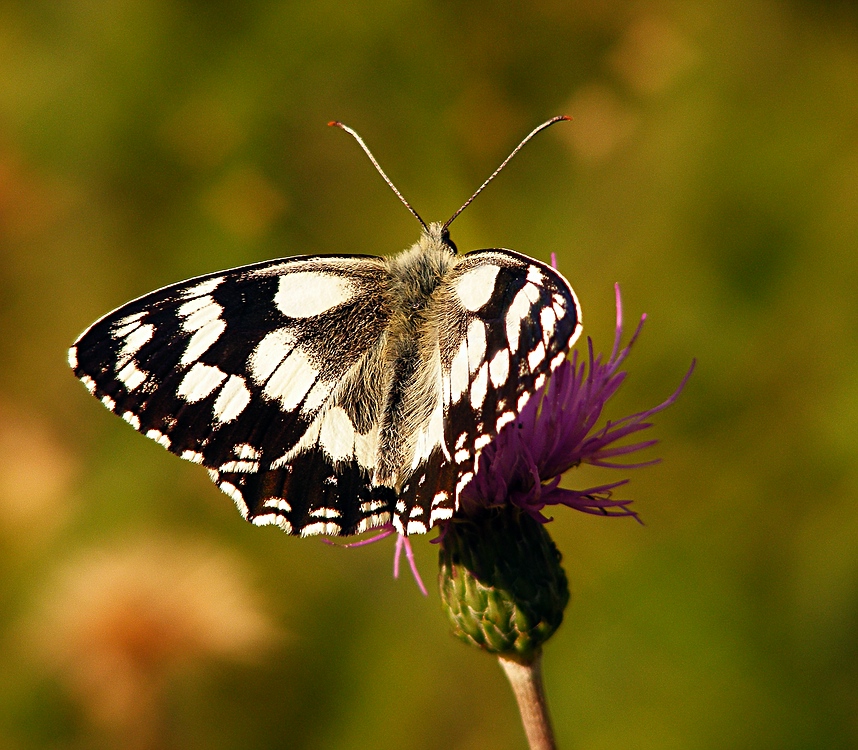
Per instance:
{"type": "Point", "coordinates": [501, 582]}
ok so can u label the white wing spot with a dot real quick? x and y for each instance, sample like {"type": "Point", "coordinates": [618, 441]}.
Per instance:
{"type": "Point", "coordinates": [270, 352]}
{"type": "Point", "coordinates": [482, 441]}
{"type": "Point", "coordinates": [518, 310]}
{"type": "Point", "coordinates": [531, 292]}
{"type": "Point", "coordinates": [246, 450]}
{"type": "Point", "coordinates": [291, 381]}
{"type": "Point", "coordinates": [204, 287]}
{"type": "Point", "coordinates": [134, 341]}
{"type": "Point", "coordinates": [522, 400]}
{"type": "Point", "coordinates": [132, 420]}
{"type": "Point", "coordinates": [462, 455]}
{"type": "Point", "coordinates": [366, 448]}
{"type": "Point", "coordinates": [558, 305]}
{"type": "Point", "coordinates": [548, 320]}
{"type": "Point", "coordinates": [326, 513]}
{"type": "Point", "coordinates": [278, 503]}
{"type": "Point", "coordinates": [499, 368]}
{"type": "Point", "coordinates": [198, 312]}
{"type": "Point", "coordinates": [73, 357]}
{"type": "Point", "coordinates": [373, 521]}
{"type": "Point", "coordinates": [535, 276]}
{"type": "Point", "coordinates": [460, 441]}
{"type": "Point", "coordinates": [416, 527]}
{"type": "Point", "coordinates": [372, 506]}
{"type": "Point", "coordinates": [440, 497]}
{"type": "Point", "coordinates": [317, 396]}
{"type": "Point", "coordinates": [416, 511]}
{"type": "Point", "coordinates": [108, 402]}
{"type": "Point", "coordinates": [475, 287]}
{"type": "Point", "coordinates": [89, 383]}
{"type": "Point", "coordinates": [305, 294]}
{"type": "Point", "coordinates": [272, 519]}
{"type": "Point", "coordinates": [201, 341]}
{"type": "Point", "coordinates": [440, 514]}
{"type": "Point", "coordinates": [476, 339]}
{"type": "Point", "coordinates": [539, 382]}
{"type": "Point", "coordinates": [124, 325]}
{"type": "Point", "coordinates": [200, 381]}
{"type": "Point", "coordinates": [322, 527]}
{"type": "Point", "coordinates": [479, 387]}
{"type": "Point", "coordinates": [558, 359]}
{"type": "Point", "coordinates": [308, 439]}
{"type": "Point", "coordinates": [231, 490]}
{"type": "Point", "coordinates": [232, 399]}
{"type": "Point", "coordinates": [131, 376]}
{"type": "Point", "coordinates": [201, 315]}
{"type": "Point", "coordinates": [192, 456]}
{"type": "Point", "coordinates": [463, 481]}
{"type": "Point", "coordinates": [430, 435]}
{"type": "Point", "coordinates": [337, 434]}
{"type": "Point", "coordinates": [239, 467]}
{"type": "Point", "coordinates": [459, 373]}
{"type": "Point", "coordinates": [536, 356]}
{"type": "Point", "coordinates": [159, 437]}
{"type": "Point", "coordinates": [121, 331]}
{"type": "Point", "coordinates": [505, 419]}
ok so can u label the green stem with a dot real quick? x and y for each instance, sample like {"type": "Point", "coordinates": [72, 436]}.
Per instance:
{"type": "Point", "coordinates": [526, 681]}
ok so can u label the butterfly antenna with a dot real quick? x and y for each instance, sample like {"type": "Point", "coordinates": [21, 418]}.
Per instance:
{"type": "Point", "coordinates": [353, 134]}
{"type": "Point", "coordinates": [494, 174]}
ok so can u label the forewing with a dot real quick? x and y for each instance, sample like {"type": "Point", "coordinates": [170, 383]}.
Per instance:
{"type": "Point", "coordinates": [233, 370]}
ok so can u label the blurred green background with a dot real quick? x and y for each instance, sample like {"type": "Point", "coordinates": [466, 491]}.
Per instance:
{"type": "Point", "coordinates": [711, 169]}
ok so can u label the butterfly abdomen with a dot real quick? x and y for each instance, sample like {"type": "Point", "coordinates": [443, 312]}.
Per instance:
{"type": "Point", "coordinates": [413, 400]}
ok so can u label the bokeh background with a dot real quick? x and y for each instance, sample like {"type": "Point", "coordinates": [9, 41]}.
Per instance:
{"type": "Point", "coordinates": [711, 169]}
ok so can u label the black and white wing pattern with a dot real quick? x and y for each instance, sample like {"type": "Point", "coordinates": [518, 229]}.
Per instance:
{"type": "Point", "coordinates": [504, 323]}
{"type": "Point", "coordinates": [232, 370]}
{"type": "Point", "coordinates": [334, 394]}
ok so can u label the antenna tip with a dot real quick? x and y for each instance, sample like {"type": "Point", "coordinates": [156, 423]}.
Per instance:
{"type": "Point", "coordinates": [335, 124]}
{"type": "Point", "coordinates": [564, 117]}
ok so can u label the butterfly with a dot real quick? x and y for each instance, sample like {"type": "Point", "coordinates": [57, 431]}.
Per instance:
{"type": "Point", "coordinates": [332, 394]}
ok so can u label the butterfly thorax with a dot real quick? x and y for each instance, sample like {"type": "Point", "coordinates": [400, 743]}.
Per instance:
{"type": "Point", "coordinates": [416, 272]}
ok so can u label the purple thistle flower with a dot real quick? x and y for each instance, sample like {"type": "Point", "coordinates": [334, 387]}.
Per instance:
{"type": "Point", "coordinates": [556, 431]}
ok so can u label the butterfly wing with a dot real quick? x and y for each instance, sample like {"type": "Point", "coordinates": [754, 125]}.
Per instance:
{"type": "Point", "coordinates": [505, 321]}
{"type": "Point", "coordinates": [237, 371]}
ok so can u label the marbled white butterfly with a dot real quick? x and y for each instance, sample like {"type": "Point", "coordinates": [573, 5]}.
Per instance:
{"type": "Point", "coordinates": [331, 394]}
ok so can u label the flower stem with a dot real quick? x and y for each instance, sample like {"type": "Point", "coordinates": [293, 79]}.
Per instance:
{"type": "Point", "coordinates": [526, 681]}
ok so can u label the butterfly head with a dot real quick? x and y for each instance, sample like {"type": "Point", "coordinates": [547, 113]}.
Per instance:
{"type": "Point", "coordinates": [437, 235]}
